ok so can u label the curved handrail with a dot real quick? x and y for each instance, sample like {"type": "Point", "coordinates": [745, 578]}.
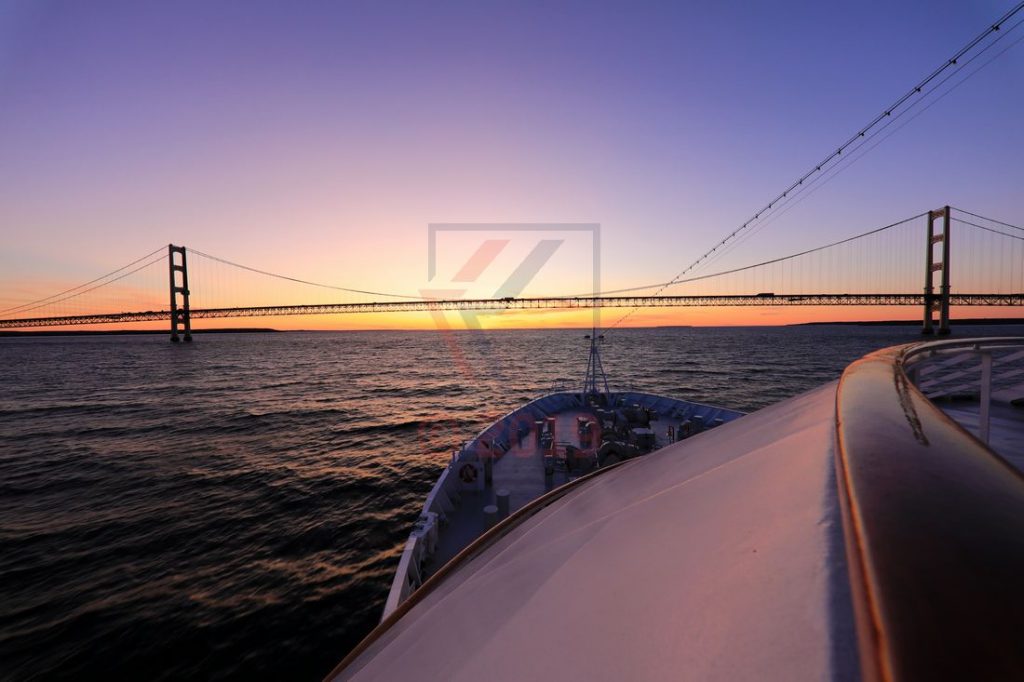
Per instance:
{"type": "Point", "coordinates": [916, 349]}
{"type": "Point", "coordinates": [934, 528]}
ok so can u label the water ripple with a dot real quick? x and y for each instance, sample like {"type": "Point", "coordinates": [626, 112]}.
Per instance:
{"type": "Point", "coordinates": [234, 508]}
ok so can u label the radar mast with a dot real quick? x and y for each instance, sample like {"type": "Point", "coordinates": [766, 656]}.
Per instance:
{"type": "Point", "coordinates": [595, 377]}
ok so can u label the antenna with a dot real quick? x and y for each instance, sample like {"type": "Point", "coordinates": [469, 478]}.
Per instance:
{"type": "Point", "coordinates": [594, 368]}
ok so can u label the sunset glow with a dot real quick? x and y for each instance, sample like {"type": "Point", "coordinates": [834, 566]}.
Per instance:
{"type": "Point", "coordinates": [544, 339]}
{"type": "Point", "coordinates": [348, 132]}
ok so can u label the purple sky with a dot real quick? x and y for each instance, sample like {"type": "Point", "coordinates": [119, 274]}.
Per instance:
{"type": "Point", "coordinates": [320, 138]}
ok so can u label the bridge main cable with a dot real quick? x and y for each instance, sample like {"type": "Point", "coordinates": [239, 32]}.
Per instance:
{"type": "Point", "coordinates": [752, 266]}
{"type": "Point", "coordinates": [302, 281]}
{"type": "Point", "coordinates": [57, 298]}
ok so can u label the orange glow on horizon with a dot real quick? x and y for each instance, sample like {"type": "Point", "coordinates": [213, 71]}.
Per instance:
{"type": "Point", "coordinates": [567, 319]}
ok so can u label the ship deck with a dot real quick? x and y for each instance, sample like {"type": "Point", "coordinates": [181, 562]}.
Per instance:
{"type": "Point", "coordinates": [1006, 427]}
{"type": "Point", "coordinates": [520, 471]}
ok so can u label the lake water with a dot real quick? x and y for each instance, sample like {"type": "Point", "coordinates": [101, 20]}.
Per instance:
{"type": "Point", "coordinates": [235, 507]}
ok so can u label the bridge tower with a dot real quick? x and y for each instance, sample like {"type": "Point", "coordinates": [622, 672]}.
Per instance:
{"type": "Point", "coordinates": [940, 301]}
{"type": "Point", "coordinates": [180, 318]}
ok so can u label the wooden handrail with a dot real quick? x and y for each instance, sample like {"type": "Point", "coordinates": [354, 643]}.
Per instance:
{"type": "Point", "coordinates": [934, 528]}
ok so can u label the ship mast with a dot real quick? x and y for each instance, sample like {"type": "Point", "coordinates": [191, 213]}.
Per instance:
{"type": "Point", "coordinates": [595, 369]}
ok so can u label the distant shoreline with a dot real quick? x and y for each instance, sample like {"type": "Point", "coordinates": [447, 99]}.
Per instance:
{"type": "Point", "coordinates": [916, 323]}
{"type": "Point", "coordinates": [137, 332]}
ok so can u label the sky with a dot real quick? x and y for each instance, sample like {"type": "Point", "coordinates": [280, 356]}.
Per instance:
{"type": "Point", "coordinates": [321, 139]}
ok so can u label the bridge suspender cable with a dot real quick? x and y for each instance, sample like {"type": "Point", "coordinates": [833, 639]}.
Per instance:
{"type": "Point", "coordinates": [160, 256]}
{"type": "Point", "coordinates": [39, 303]}
{"type": "Point", "coordinates": [761, 264]}
{"type": "Point", "coordinates": [908, 99]}
{"type": "Point", "coordinates": [302, 281]}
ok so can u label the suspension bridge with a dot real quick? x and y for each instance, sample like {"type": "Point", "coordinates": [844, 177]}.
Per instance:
{"type": "Point", "coordinates": [884, 266]}
{"type": "Point", "coordinates": [907, 263]}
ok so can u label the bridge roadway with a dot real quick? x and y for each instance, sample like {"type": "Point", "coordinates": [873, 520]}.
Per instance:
{"type": "Point", "coordinates": [524, 304]}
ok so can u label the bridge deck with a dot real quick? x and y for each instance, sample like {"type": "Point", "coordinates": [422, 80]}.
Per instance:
{"type": "Point", "coordinates": [536, 303]}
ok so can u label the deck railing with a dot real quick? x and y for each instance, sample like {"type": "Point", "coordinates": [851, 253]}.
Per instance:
{"type": "Point", "coordinates": [972, 370]}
